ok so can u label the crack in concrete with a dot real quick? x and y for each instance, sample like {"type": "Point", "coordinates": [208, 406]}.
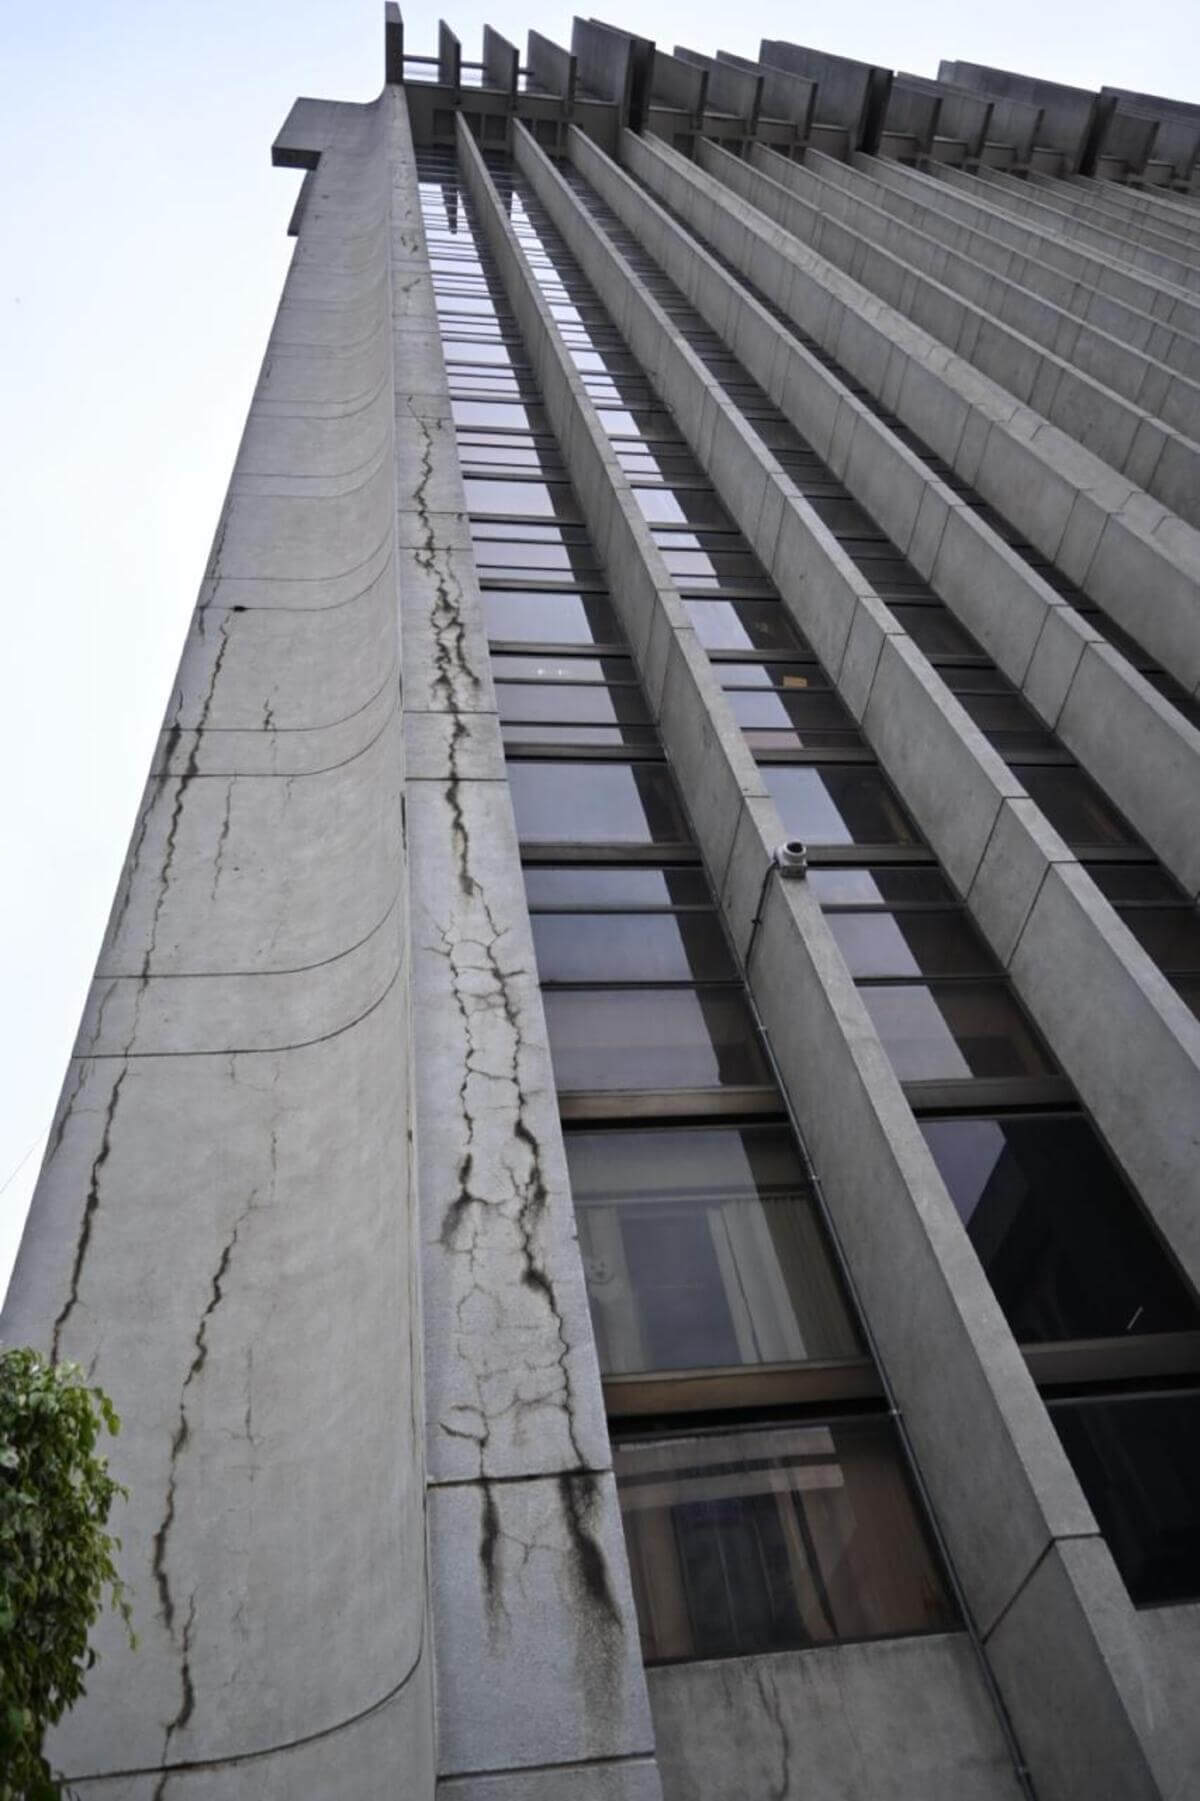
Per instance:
{"type": "Point", "coordinates": [187, 1698]}
{"type": "Point", "coordinates": [222, 840]}
{"type": "Point", "coordinates": [90, 1206]}
{"type": "Point", "coordinates": [772, 1707]}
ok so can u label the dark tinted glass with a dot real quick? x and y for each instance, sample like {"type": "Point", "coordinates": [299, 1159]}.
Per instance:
{"type": "Point", "coordinates": [652, 1038]}
{"type": "Point", "coordinates": [583, 887]}
{"type": "Point", "coordinates": [770, 1539]}
{"type": "Point", "coordinates": [857, 886]}
{"type": "Point", "coordinates": [905, 944]}
{"type": "Point", "coordinates": [682, 506]}
{"type": "Point", "coordinates": [1064, 1243]}
{"type": "Point", "coordinates": [934, 632]}
{"type": "Point", "coordinates": [935, 1033]}
{"type": "Point", "coordinates": [1138, 1461]}
{"type": "Point", "coordinates": [741, 624]}
{"type": "Point", "coordinates": [702, 1248]}
{"type": "Point", "coordinates": [631, 947]}
{"type": "Point", "coordinates": [1171, 935]}
{"type": "Point", "coordinates": [837, 804]}
{"type": "Point", "coordinates": [1133, 882]}
{"type": "Point", "coordinates": [595, 803]}
{"type": "Point", "coordinates": [1073, 805]}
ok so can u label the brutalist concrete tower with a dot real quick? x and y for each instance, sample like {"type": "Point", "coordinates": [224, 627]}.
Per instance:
{"type": "Point", "coordinates": [631, 1162]}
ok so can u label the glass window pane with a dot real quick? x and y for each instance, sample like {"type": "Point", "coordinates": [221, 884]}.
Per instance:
{"type": "Point", "coordinates": [575, 886]}
{"type": "Point", "coordinates": [534, 500]}
{"type": "Point", "coordinates": [769, 1539]}
{"type": "Point", "coordinates": [848, 885]}
{"type": "Point", "coordinates": [631, 738]}
{"type": "Point", "coordinates": [838, 804]}
{"type": "Point", "coordinates": [941, 1034]}
{"type": "Point", "coordinates": [552, 667]}
{"type": "Point", "coordinates": [702, 1249]}
{"type": "Point", "coordinates": [683, 506]}
{"type": "Point", "coordinates": [596, 803]}
{"type": "Point", "coordinates": [631, 947]}
{"type": "Point", "coordinates": [1063, 1241]}
{"type": "Point", "coordinates": [574, 702]}
{"type": "Point", "coordinates": [630, 1039]}
{"type": "Point", "coordinates": [1171, 935]}
{"type": "Point", "coordinates": [519, 615]}
{"type": "Point", "coordinates": [905, 944]}
{"type": "Point", "coordinates": [741, 625]}
{"type": "Point", "coordinates": [1073, 805]}
{"type": "Point", "coordinates": [1134, 882]}
{"type": "Point", "coordinates": [935, 632]}
{"type": "Point", "coordinates": [1137, 1458]}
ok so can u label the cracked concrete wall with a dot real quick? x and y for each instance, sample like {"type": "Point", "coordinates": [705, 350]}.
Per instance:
{"type": "Point", "coordinates": [529, 1577]}
{"type": "Point", "coordinates": [897, 1720]}
{"type": "Point", "coordinates": [223, 1232]}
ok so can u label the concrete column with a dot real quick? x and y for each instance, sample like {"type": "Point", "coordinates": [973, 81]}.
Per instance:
{"type": "Point", "coordinates": [1106, 535]}
{"type": "Point", "coordinates": [224, 1230]}
{"type": "Point", "coordinates": [1126, 435]}
{"type": "Point", "coordinates": [980, 206]}
{"type": "Point", "coordinates": [1030, 203]}
{"type": "Point", "coordinates": [933, 214]}
{"type": "Point", "coordinates": [1115, 363]}
{"type": "Point", "coordinates": [1007, 1500]}
{"type": "Point", "coordinates": [540, 1679]}
{"type": "Point", "coordinates": [1016, 875]}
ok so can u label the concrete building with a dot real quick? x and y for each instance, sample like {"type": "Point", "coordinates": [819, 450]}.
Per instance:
{"type": "Point", "coordinates": [631, 1162]}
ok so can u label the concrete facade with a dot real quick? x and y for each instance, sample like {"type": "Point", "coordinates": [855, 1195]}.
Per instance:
{"type": "Point", "coordinates": [306, 1210]}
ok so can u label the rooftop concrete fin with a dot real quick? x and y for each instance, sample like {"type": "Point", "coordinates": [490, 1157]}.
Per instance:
{"type": "Point", "coordinates": [304, 135]}
{"type": "Point", "coordinates": [393, 43]}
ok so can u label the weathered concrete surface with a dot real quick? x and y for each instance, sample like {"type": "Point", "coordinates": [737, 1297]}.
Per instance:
{"type": "Point", "coordinates": [899, 1720]}
{"type": "Point", "coordinates": [224, 1230]}
{"type": "Point", "coordinates": [527, 1554]}
{"type": "Point", "coordinates": [994, 1466]}
{"type": "Point", "coordinates": [1098, 527]}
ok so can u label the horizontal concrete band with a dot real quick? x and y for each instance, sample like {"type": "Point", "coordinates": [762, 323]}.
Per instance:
{"type": "Point", "coordinates": [1014, 197]}
{"type": "Point", "coordinates": [1018, 878]}
{"type": "Point", "coordinates": [1104, 534]}
{"type": "Point", "coordinates": [980, 210]}
{"type": "Point", "coordinates": [1059, 662]}
{"type": "Point", "coordinates": [1008, 1496]}
{"type": "Point", "coordinates": [1126, 436]}
{"type": "Point", "coordinates": [1116, 363]}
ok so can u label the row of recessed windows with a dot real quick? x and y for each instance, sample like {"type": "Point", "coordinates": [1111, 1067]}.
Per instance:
{"type": "Point", "coordinates": [645, 1006]}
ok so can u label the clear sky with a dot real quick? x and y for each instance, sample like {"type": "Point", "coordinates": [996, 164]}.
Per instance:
{"type": "Point", "coordinates": [142, 250]}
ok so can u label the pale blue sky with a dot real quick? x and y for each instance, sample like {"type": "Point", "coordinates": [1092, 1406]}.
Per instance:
{"type": "Point", "coordinates": [141, 254]}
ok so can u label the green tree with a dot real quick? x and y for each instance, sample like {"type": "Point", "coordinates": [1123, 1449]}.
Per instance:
{"type": "Point", "coordinates": [56, 1558]}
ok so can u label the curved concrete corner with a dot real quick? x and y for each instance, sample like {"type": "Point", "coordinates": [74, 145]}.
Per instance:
{"type": "Point", "coordinates": [224, 1229]}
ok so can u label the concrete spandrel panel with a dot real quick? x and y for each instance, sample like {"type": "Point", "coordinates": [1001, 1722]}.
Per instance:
{"type": "Point", "coordinates": [511, 1381]}
{"type": "Point", "coordinates": [264, 873]}
{"type": "Point", "coordinates": [343, 1764]}
{"type": "Point", "coordinates": [537, 1645]}
{"type": "Point", "coordinates": [264, 749]}
{"type": "Point", "coordinates": [896, 1720]}
{"type": "Point", "coordinates": [227, 1241]}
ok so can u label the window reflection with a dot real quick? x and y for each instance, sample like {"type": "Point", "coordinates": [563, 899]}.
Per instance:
{"type": "Point", "coordinates": [940, 1033]}
{"type": "Point", "coordinates": [766, 1540]}
{"type": "Point", "coordinates": [639, 1039]}
{"type": "Point", "coordinates": [590, 803]}
{"type": "Point", "coordinates": [702, 1249]}
{"type": "Point", "coordinates": [835, 803]}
